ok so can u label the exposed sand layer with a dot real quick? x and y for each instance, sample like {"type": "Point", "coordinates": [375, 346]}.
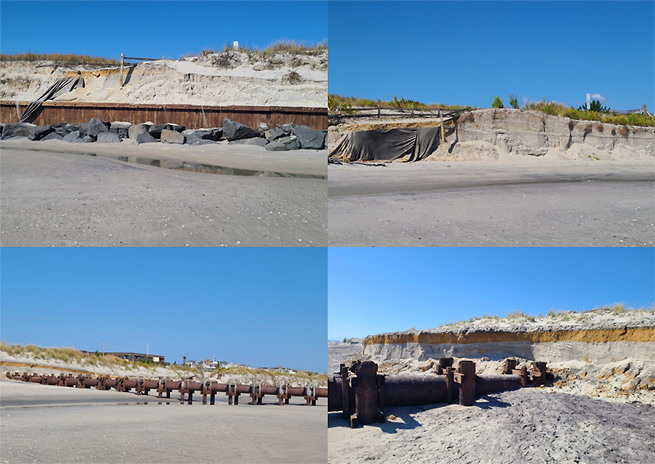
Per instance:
{"type": "Point", "coordinates": [508, 135]}
{"type": "Point", "coordinates": [282, 80]}
{"type": "Point", "coordinates": [526, 425]}
{"type": "Point", "coordinates": [607, 362]}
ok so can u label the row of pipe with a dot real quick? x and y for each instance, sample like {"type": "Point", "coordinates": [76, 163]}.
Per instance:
{"type": "Point", "coordinates": [186, 388]}
{"type": "Point", "coordinates": [362, 394]}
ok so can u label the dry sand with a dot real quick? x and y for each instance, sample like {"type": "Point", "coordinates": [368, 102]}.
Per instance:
{"type": "Point", "coordinates": [192, 81]}
{"type": "Point", "coordinates": [59, 425]}
{"type": "Point", "coordinates": [526, 425]}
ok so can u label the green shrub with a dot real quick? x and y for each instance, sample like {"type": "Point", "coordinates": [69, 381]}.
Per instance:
{"type": "Point", "coordinates": [497, 103]}
{"type": "Point", "coordinates": [514, 103]}
{"type": "Point", "coordinates": [594, 106]}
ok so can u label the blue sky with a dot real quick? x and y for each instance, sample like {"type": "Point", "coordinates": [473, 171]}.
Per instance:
{"type": "Point", "coordinates": [465, 53]}
{"type": "Point", "coordinates": [263, 307]}
{"type": "Point", "coordinates": [154, 29]}
{"type": "Point", "coordinates": [375, 290]}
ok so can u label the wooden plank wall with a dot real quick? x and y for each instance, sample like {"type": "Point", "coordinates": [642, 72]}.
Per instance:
{"type": "Point", "coordinates": [185, 115]}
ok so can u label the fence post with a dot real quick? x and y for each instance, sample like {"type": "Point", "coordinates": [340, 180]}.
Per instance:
{"type": "Point", "coordinates": [443, 128]}
{"type": "Point", "coordinates": [378, 111]}
{"type": "Point", "coordinates": [122, 59]}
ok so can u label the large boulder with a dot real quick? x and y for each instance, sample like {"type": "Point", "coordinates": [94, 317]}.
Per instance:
{"type": "Point", "coordinates": [65, 128]}
{"type": "Point", "coordinates": [73, 137]}
{"type": "Point", "coordinates": [134, 130]}
{"type": "Point", "coordinates": [234, 130]}
{"type": "Point", "coordinates": [23, 129]}
{"type": "Point", "coordinates": [284, 144]}
{"type": "Point", "coordinates": [171, 136]}
{"type": "Point", "coordinates": [309, 138]}
{"type": "Point", "coordinates": [145, 138]}
{"type": "Point", "coordinates": [108, 137]}
{"type": "Point", "coordinates": [276, 133]}
{"type": "Point", "coordinates": [52, 136]}
{"type": "Point", "coordinates": [120, 128]}
{"type": "Point", "coordinates": [95, 127]}
{"type": "Point", "coordinates": [155, 129]}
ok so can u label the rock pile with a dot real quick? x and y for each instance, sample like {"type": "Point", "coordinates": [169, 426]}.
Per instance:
{"type": "Point", "coordinates": [279, 138]}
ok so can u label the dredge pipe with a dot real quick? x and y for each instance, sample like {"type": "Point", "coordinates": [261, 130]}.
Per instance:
{"type": "Point", "coordinates": [492, 383]}
{"type": "Point", "coordinates": [414, 390]}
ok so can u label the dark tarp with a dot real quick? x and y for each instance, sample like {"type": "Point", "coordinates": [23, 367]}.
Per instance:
{"type": "Point", "coordinates": [61, 86]}
{"type": "Point", "coordinates": [402, 144]}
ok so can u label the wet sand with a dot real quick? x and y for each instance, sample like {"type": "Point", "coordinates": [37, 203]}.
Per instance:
{"type": "Point", "coordinates": [55, 199]}
{"type": "Point", "coordinates": [537, 203]}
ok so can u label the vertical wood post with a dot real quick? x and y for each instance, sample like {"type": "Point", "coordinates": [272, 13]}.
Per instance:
{"type": "Point", "coordinates": [122, 60]}
{"type": "Point", "coordinates": [443, 128]}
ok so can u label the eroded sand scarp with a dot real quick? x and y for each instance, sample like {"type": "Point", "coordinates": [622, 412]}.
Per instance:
{"type": "Point", "coordinates": [282, 80]}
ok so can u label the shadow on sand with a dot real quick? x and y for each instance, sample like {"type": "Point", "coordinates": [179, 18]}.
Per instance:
{"type": "Point", "coordinates": [402, 418]}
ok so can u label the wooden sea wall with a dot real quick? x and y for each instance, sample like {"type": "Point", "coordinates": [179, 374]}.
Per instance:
{"type": "Point", "coordinates": [191, 116]}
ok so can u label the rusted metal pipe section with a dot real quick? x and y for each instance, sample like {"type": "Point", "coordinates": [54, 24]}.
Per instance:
{"type": "Point", "coordinates": [186, 388]}
{"type": "Point", "coordinates": [362, 394]}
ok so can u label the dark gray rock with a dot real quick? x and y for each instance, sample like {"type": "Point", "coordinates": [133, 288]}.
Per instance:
{"type": "Point", "coordinates": [84, 128]}
{"type": "Point", "coordinates": [23, 129]}
{"type": "Point", "coordinates": [313, 139]}
{"type": "Point", "coordinates": [120, 128]}
{"type": "Point", "coordinates": [65, 128]}
{"type": "Point", "coordinates": [287, 128]}
{"type": "Point", "coordinates": [276, 133]}
{"type": "Point", "coordinates": [2, 128]}
{"type": "Point", "coordinates": [234, 130]}
{"type": "Point", "coordinates": [108, 137]}
{"type": "Point", "coordinates": [145, 138]}
{"type": "Point", "coordinates": [171, 136]}
{"type": "Point", "coordinates": [88, 139]}
{"type": "Point", "coordinates": [52, 136]}
{"type": "Point", "coordinates": [155, 129]}
{"type": "Point", "coordinates": [214, 134]}
{"type": "Point", "coordinates": [96, 126]}
{"type": "Point", "coordinates": [177, 127]}
{"type": "Point", "coordinates": [134, 130]}
{"type": "Point", "coordinates": [72, 136]}
{"type": "Point", "coordinates": [284, 144]}
{"type": "Point", "coordinates": [258, 141]}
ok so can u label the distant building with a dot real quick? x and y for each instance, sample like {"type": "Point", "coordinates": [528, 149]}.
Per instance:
{"type": "Point", "coordinates": [642, 110]}
{"type": "Point", "coordinates": [137, 356]}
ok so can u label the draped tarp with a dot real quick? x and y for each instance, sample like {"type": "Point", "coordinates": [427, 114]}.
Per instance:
{"type": "Point", "coordinates": [61, 86]}
{"type": "Point", "coordinates": [401, 144]}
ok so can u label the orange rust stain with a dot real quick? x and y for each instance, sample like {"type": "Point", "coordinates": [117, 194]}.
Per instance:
{"type": "Point", "coordinates": [640, 334]}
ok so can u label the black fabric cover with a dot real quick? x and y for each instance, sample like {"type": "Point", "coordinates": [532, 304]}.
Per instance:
{"type": "Point", "coordinates": [402, 144]}
{"type": "Point", "coordinates": [61, 86]}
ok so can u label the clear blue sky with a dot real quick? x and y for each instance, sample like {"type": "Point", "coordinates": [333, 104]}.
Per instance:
{"type": "Point", "coordinates": [465, 53]}
{"type": "Point", "coordinates": [375, 290]}
{"type": "Point", "coordinates": [263, 307]}
{"type": "Point", "coordinates": [155, 28]}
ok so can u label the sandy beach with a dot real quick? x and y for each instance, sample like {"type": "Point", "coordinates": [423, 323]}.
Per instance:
{"type": "Point", "coordinates": [55, 199]}
{"type": "Point", "coordinates": [51, 424]}
{"type": "Point", "coordinates": [526, 203]}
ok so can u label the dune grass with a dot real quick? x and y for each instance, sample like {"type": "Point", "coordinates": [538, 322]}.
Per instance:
{"type": "Point", "coordinates": [59, 58]}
